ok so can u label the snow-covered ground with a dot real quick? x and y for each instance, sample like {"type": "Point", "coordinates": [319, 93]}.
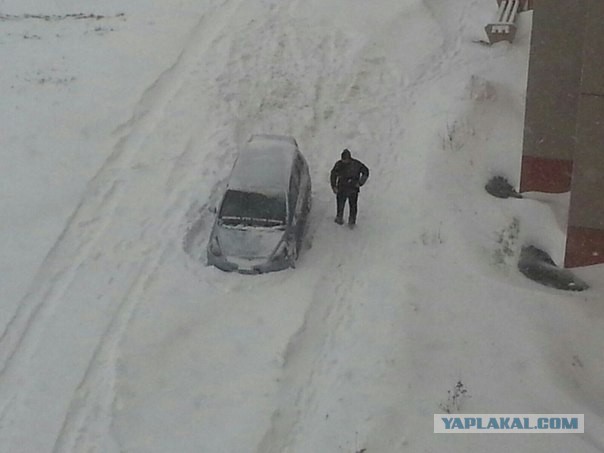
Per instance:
{"type": "Point", "coordinates": [119, 124]}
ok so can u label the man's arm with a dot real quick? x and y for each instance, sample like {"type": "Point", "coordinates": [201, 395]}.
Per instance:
{"type": "Point", "coordinates": [333, 176]}
{"type": "Point", "coordinates": [364, 174]}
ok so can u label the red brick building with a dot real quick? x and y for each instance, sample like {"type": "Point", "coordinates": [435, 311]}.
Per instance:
{"type": "Point", "coordinates": [564, 122]}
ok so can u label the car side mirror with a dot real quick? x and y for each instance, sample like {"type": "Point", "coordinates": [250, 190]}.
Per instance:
{"type": "Point", "coordinates": [213, 209]}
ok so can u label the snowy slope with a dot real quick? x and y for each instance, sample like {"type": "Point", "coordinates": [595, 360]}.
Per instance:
{"type": "Point", "coordinates": [116, 337]}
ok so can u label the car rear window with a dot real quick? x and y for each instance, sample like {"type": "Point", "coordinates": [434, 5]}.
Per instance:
{"type": "Point", "coordinates": [252, 208]}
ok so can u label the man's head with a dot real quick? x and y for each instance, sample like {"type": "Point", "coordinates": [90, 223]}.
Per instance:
{"type": "Point", "coordinates": [346, 155]}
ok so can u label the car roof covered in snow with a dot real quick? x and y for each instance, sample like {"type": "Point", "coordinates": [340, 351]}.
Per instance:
{"type": "Point", "coordinates": [264, 164]}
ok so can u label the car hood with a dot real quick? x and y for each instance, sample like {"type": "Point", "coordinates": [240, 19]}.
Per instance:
{"type": "Point", "coordinates": [249, 242]}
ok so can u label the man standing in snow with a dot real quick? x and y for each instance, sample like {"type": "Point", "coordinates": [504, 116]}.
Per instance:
{"type": "Point", "coordinates": [346, 177]}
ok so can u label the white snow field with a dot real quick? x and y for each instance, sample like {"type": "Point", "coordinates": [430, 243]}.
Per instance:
{"type": "Point", "coordinates": [119, 124]}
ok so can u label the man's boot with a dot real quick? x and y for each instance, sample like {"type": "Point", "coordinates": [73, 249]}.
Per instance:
{"type": "Point", "coordinates": [339, 220]}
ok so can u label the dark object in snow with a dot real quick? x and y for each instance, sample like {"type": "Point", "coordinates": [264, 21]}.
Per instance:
{"type": "Point", "coordinates": [482, 42]}
{"type": "Point", "coordinates": [54, 17]}
{"type": "Point", "coordinates": [537, 265]}
{"type": "Point", "coordinates": [499, 187]}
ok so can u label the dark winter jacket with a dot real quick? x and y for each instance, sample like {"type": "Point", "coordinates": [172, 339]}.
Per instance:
{"type": "Point", "coordinates": [347, 177]}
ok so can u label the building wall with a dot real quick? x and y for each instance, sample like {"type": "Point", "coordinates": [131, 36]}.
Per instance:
{"type": "Point", "coordinates": [563, 147]}
{"type": "Point", "coordinates": [553, 92]}
{"type": "Point", "coordinates": [585, 235]}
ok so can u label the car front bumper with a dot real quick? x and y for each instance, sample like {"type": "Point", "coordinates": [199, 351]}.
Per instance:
{"type": "Point", "coordinates": [247, 266]}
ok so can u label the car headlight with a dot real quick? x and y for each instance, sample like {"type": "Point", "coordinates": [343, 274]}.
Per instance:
{"type": "Point", "coordinates": [215, 247]}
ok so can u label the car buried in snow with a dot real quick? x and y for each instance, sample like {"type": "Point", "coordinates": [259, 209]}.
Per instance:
{"type": "Point", "coordinates": [261, 220]}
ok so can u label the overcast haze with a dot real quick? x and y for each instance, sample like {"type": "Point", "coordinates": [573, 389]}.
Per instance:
{"type": "Point", "coordinates": [119, 126]}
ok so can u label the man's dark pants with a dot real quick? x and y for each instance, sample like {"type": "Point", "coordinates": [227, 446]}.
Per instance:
{"type": "Point", "coordinates": [352, 198]}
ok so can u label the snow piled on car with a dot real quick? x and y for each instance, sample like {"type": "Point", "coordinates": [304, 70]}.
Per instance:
{"type": "Point", "coordinates": [263, 165]}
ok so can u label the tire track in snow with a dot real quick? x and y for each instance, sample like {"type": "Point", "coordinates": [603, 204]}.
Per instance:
{"type": "Point", "coordinates": [297, 384]}
{"type": "Point", "coordinates": [97, 386]}
{"type": "Point", "coordinates": [89, 418]}
{"type": "Point", "coordinates": [304, 360]}
{"type": "Point", "coordinates": [73, 250]}
{"type": "Point", "coordinates": [330, 315]}
{"type": "Point", "coordinates": [54, 283]}
{"type": "Point", "coordinates": [91, 214]}
{"type": "Point", "coordinates": [92, 400]}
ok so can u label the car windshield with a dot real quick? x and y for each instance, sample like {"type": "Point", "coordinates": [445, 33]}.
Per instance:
{"type": "Point", "coordinates": [252, 209]}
